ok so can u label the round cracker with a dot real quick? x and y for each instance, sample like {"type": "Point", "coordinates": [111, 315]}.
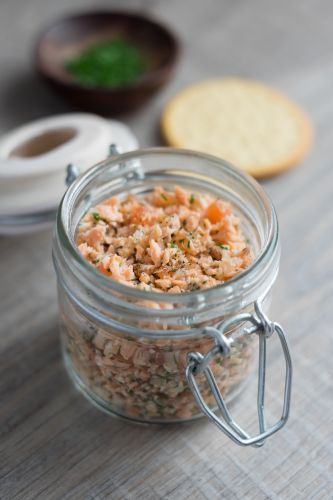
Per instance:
{"type": "Point", "coordinates": [242, 121]}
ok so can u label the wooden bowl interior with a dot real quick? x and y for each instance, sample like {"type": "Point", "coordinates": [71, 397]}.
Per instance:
{"type": "Point", "coordinates": [69, 37]}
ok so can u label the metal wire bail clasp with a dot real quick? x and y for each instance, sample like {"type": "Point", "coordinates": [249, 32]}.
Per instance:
{"type": "Point", "coordinates": [72, 170]}
{"type": "Point", "coordinates": [198, 363]}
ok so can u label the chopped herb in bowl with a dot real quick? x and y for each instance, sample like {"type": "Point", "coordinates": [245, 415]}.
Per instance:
{"type": "Point", "coordinates": [111, 63]}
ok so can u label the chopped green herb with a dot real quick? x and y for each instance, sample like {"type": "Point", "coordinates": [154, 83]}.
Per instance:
{"type": "Point", "coordinates": [109, 63]}
{"type": "Point", "coordinates": [159, 404]}
{"type": "Point", "coordinates": [188, 244]}
{"type": "Point", "coordinates": [89, 334]}
{"type": "Point", "coordinates": [96, 216]}
{"type": "Point", "coordinates": [181, 241]}
{"type": "Point", "coordinates": [96, 261]}
{"type": "Point", "coordinates": [164, 197]}
{"type": "Point", "coordinates": [192, 198]}
{"type": "Point", "coordinates": [173, 245]}
{"type": "Point", "coordinates": [224, 247]}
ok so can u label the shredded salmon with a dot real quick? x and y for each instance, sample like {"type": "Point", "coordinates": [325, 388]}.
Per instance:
{"type": "Point", "coordinates": [167, 241]}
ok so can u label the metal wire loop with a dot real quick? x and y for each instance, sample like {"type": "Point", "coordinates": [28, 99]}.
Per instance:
{"type": "Point", "coordinates": [199, 363]}
{"type": "Point", "coordinates": [72, 172]}
{"type": "Point", "coordinates": [267, 326]}
{"type": "Point", "coordinates": [114, 149]}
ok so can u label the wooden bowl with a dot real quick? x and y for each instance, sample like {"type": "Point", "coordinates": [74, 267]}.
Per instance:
{"type": "Point", "coordinates": [69, 36]}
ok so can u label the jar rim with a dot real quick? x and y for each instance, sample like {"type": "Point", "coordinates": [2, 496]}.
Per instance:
{"type": "Point", "coordinates": [222, 291]}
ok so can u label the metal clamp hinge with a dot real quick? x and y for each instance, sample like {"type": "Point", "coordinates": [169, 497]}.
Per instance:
{"type": "Point", "coordinates": [73, 171]}
{"type": "Point", "coordinates": [198, 363]}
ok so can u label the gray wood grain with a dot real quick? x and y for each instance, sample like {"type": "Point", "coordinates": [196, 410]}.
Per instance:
{"type": "Point", "coordinates": [53, 444]}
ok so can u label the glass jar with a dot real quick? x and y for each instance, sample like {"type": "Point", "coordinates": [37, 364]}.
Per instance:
{"type": "Point", "coordinates": [158, 357]}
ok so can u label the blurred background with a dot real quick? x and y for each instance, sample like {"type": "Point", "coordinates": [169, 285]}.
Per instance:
{"type": "Point", "coordinates": [286, 44]}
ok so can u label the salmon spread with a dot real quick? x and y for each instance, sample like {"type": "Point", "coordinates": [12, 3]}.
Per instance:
{"type": "Point", "coordinates": [170, 241]}
{"type": "Point", "coordinates": [167, 241]}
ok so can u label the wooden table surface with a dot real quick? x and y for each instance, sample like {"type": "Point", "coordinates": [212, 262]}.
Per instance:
{"type": "Point", "coordinates": [54, 444]}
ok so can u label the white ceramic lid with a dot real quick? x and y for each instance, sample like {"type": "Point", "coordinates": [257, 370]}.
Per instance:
{"type": "Point", "coordinates": [33, 158]}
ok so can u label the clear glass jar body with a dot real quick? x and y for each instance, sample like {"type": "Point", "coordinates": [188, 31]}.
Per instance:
{"type": "Point", "coordinates": [127, 349]}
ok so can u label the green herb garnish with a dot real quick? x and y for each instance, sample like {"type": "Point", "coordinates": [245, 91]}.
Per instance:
{"type": "Point", "coordinates": [173, 245]}
{"type": "Point", "coordinates": [224, 247]}
{"type": "Point", "coordinates": [192, 198]}
{"type": "Point", "coordinates": [188, 244]}
{"type": "Point", "coordinates": [164, 197]}
{"type": "Point", "coordinates": [110, 63]}
{"type": "Point", "coordinates": [96, 216]}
